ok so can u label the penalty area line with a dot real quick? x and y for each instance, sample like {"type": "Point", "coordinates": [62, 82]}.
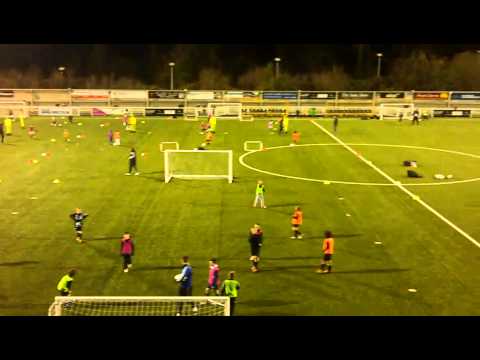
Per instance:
{"type": "Point", "coordinates": [399, 185]}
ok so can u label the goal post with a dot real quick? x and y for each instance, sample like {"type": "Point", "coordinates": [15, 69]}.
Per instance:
{"type": "Point", "coordinates": [16, 108]}
{"type": "Point", "coordinates": [393, 111]}
{"type": "Point", "coordinates": [198, 164]}
{"type": "Point", "coordinates": [165, 143]}
{"type": "Point", "coordinates": [140, 306]}
{"type": "Point", "coordinates": [191, 113]}
{"type": "Point", "coordinates": [225, 110]}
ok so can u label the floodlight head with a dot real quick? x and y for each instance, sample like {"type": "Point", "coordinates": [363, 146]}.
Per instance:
{"type": "Point", "coordinates": [379, 54]}
{"type": "Point", "coordinates": [62, 68]}
{"type": "Point", "coordinates": [171, 64]}
{"type": "Point", "coordinates": [277, 59]}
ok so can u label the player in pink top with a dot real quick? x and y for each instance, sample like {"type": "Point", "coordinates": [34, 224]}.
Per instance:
{"type": "Point", "coordinates": [213, 278]}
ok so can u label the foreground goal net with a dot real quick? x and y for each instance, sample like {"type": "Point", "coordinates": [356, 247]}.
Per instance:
{"type": "Point", "coordinates": [198, 164]}
{"type": "Point", "coordinates": [140, 306]}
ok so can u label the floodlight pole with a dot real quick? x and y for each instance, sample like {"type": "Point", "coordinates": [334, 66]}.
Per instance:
{"type": "Point", "coordinates": [172, 66]}
{"type": "Point", "coordinates": [61, 70]}
{"type": "Point", "coordinates": [379, 64]}
{"type": "Point", "coordinates": [277, 67]}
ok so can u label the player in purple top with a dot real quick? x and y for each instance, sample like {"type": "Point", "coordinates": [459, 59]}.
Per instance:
{"type": "Point", "coordinates": [213, 278]}
{"type": "Point", "coordinates": [126, 250]}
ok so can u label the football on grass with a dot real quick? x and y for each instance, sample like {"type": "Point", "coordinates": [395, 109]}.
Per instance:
{"type": "Point", "coordinates": [178, 277]}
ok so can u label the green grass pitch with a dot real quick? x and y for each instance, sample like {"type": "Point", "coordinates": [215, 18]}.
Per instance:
{"type": "Point", "coordinates": [211, 218]}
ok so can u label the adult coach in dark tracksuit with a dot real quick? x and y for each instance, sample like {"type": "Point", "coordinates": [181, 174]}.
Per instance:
{"type": "Point", "coordinates": [2, 133]}
{"type": "Point", "coordinates": [415, 119]}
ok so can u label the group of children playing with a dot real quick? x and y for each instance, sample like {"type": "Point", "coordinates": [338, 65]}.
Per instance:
{"type": "Point", "coordinates": [282, 125]}
{"type": "Point", "coordinates": [208, 129]}
{"type": "Point", "coordinates": [256, 235]}
{"type": "Point", "coordinates": [6, 127]}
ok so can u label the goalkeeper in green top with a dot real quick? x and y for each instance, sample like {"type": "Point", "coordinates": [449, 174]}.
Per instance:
{"type": "Point", "coordinates": [65, 284]}
{"type": "Point", "coordinates": [259, 195]}
{"type": "Point", "coordinates": [230, 288]}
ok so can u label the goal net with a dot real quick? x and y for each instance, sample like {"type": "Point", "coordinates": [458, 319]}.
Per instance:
{"type": "Point", "coordinates": [16, 108]}
{"type": "Point", "coordinates": [395, 111]}
{"type": "Point", "coordinates": [225, 110]}
{"type": "Point", "coordinates": [198, 164]}
{"type": "Point", "coordinates": [191, 113]}
{"type": "Point", "coordinates": [140, 306]}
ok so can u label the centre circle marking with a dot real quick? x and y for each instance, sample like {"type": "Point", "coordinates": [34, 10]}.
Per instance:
{"type": "Point", "coordinates": [243, 163]}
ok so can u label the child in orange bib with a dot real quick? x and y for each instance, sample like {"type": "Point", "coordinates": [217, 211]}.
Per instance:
{"type": "Point", "coordinates": [328, 249]}
{"type": "Point", "coordinates": [297, 220]}
{"type": "Point", "coordinates": [295, 137]}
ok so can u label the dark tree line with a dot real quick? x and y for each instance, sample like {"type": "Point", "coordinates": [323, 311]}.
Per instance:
{"type": "Point", "coordinates": [212, 66]}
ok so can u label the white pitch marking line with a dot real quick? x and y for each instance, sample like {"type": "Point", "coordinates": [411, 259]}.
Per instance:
{"type": "Point", "coordinates": [400, 186]}
{"type": "Point", "coordinates": [242, 162]}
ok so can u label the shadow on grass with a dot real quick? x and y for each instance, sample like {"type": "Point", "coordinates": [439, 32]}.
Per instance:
{"type": "Point", "coordinates": [109, 254]}
{"type": "Point", "coordinates": [293, 258]}
{"type": "Point", "coordinates": [369, 271]}
{"type": "Point", "coordinates": [156, 267]}
{"type": "Point", "coordinates": [284, 205]}
{"type": "Point", "coordinates": [154, 178]}
{"type": "Point", "coordinates": [19, 263]}
{"type": "Point", "coordinates": [340, 236]}
{"type": "Point", "coordinates": [153, 173]}
{"type": "Point", "coordinates": [266, 302]}
{"type": "Point", "coordinates": [279, 268]}
{"type": "Point", "coordinates": [101, 238]}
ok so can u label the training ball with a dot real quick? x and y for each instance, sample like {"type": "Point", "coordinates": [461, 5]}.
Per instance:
{"type": "Point", "coordinates": [53, 140]}
{"type": "Point", "coordinates": [101, 125]}
{"type": "Point", "coordinates": [178, 277]}
{"type": "Point", "coordinates": [449, 176]}
{"type": "Point", "coordinates": [79, 136]}
{"type": "Point", "coordinates": [80, 124]}
{"type": "Point", "coordinates": [204, 144]}
{"type": "Point", "coordinates": [35, 161]}
{"type": "Point", "coordinates": [143, 121]}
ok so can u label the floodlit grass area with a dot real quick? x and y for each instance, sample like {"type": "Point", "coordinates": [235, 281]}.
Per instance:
{"type": "Point", "coordinates": [211, 218]}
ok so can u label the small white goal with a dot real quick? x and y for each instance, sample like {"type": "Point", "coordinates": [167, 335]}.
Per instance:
{"type": "Point", "coordinates": [198, 164]}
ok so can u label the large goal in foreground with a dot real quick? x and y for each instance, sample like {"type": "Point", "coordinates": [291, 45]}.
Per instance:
{"type": "Point", "coordinates": [198, 164]}
{"type": "Point", "coordinates": [140, 306]}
